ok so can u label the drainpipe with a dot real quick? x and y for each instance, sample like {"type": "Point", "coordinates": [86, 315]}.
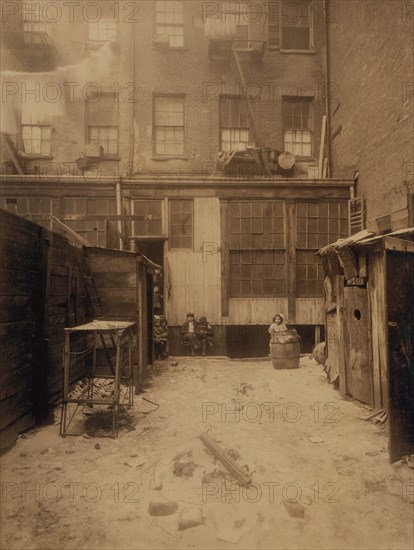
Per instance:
{"type": "Point", "coordinates": [132, 107]}
{"type": "Point", "coordinates": [327, 106]}
{"type": "Point", "coordinates": [118, 193]}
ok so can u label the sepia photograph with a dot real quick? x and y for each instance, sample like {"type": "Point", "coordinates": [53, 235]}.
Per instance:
{"type": "Point", "coordinates": [207, 274]}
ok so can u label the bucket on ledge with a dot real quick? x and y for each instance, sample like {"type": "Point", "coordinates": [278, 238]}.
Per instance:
{"type": "Point", "coordinates": [285, 349]}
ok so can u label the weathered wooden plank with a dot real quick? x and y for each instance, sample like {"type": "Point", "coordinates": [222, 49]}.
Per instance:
{"type": "Point", "coordinates": [114, 280]}
{"type": "Point", "coordinates": [290, 236]}
{"type": "Point", "coordinates": [9, 434]}
{"type": "Point", "coordinates": [225, 258]}
{"type": "Point", "coordinates": [342, 339]}
{"type": "Point", "coordinates": [310, 311]}
{"type": "Point", "coordinates": [247, 311]}
{"type": "Point", "coordinates": [376, 292]}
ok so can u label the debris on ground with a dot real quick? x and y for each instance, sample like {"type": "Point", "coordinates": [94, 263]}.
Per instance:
{"type": "Point", "coordinates": [190, 517]}
{"type": "Point", "coordinates": [244, 387]}
{"type": "Point", "coordinates": [228, 534]}
{"type": "Point", "coordinates": [241, 474]}
{"type": "Point", "coordinates": [319, 353]}
{"type": "Point", "coordinates": [294, 509]}
{"type": "Point", "coordinates": [316, 439]}
{"type": "Point", "coordinates": [162, 507]}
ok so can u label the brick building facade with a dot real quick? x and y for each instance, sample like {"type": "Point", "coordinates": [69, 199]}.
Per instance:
{"type": "Point", "coordinates": [372, 102]}
{"type": "Point", "coordinates": [134, 137]}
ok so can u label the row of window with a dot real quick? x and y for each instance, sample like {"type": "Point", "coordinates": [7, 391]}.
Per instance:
{"type": "Point", "coordinates": [169, 126]}
{"type": "Point", "coordinates": [289, 23]}
{"type": "Point", "coordinates": [257, 245]}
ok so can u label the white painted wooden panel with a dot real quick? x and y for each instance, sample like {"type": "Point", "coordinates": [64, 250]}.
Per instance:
{"type": "Point", "coordinates": [195, 276]}
{"type": "Point", "coordinates": [310, 311]}
{"type": "Point", "coordinates": [247, 311]}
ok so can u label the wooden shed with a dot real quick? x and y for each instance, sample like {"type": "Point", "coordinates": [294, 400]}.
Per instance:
{"type": "Point", "coordinates": [369, 283]}
{"type": "Point", "coordinates": [123, 282]}
{"type": "Point", "coordinates": [47, 285]}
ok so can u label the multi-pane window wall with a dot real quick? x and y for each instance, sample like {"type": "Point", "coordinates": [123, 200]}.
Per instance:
{"type": "Point", "coordinates": [317, 225]}
{"type": "Point", "coordinates": [257, 250]}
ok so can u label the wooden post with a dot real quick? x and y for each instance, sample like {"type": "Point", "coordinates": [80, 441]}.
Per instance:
{"type": "Point", "coordinates": [225, 258]}
{"type": "Point", "coordinates": [290, 239]}
{"type": "Point", "coordinates": [317, 334]}
{"type": "Point", "coordinates": [340, 281]}
{"type": "Point", "coordinates": [321, 147]}
{"type": "Point", "coordinates": [138, 376]}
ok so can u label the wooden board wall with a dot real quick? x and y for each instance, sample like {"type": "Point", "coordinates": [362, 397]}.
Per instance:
{"type": "Point", "coordinates": [40, 294]}
{"type": "Point", "coordinates": [376, 292]}
{"type": "Point", "coordinates": [195, 275]}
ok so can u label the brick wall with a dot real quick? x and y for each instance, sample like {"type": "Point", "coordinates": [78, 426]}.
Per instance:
{"type": "Point", "coordinates": [371, 47]}
{"type": "Point", "coordinates": [141, 69]}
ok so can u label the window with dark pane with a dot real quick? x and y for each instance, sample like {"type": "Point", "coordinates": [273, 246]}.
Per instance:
{"type": "Point", "coordinates": [102, 114]}
{"type": "Point", "coordinates": [297, 130]}
{"type": "Point", "coordinates": [181, 223]}
{"type": "Point", "coordinates": [296, 25]}
{"type": "Point", "coordinates": [149, 214]}
{"type": "Point", "coordinates": [257, 255]}
{"type": "Point", "coordinates": [234, 122]}
{"type": "Point", "coordinates": [169, 126]}
{"type": "Point", "coordinates": [169, 19]}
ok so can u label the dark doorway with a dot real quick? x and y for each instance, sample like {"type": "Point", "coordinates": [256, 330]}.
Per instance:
{"type": "Point", "coordinates": [150, 340]}
{"type": "Point", "coordinates": [400, 324]}
{"type": "Point", "coordinates": [153, 249]}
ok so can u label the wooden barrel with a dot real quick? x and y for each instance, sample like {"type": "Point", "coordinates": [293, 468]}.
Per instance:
{"type": "Point", "coordinates": [285, 350]}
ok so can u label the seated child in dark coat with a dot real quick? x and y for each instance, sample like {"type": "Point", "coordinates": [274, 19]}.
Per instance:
{"type": "Point", "coordinates": [205, 333]}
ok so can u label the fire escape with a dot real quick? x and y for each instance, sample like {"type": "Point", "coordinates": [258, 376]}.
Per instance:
{"type": "Point", "coordinates": [227, 51]}
{"type": "Point", "coordinates": [30, 44]}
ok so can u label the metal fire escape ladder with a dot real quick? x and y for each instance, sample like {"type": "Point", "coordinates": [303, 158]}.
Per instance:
{"type": "Point", "coordinates": [13, 152]}
{"type": "Point", "coordinates": [242, 75]}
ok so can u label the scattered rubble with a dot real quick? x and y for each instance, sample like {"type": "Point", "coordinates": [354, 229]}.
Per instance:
{"type": "Point", "coordinates": [294, 509]}
{"type": "Point", "coordinates": [190, 517]}
{"type": "Point", "coordinates": [162, 507]}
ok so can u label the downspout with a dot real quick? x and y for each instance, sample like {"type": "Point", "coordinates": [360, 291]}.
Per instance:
{"type": "Point", "coordinates": [118, 193]}
{"type": "Point", "coordinates": [327, 105]}
{"type": "Point", "coordinates": [131, 170]}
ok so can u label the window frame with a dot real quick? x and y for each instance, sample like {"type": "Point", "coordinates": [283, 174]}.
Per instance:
{"type": "Point", "coordinates": [97, 23]}
{"type": "Point", "coordinates": [182, 25]}
{"type": "Point", "coordinates": [88, 125]}
{"type": "Point", "coordinates": [154, 127]}
{"type": "Point", "coordinates": [39, 155]}
{"type": "Point", "coordinates": [257, 247]}
{"type": "Point", "coordinates": [223, 98]}
{"type": "Point", "coordinates": [170, 236]}
{"type": "Point", "coordinates": [301, 100]}
{"type": "Point", "coordinates": [149, 234]}
{"type": "Point", "coordinates": [279, 26]}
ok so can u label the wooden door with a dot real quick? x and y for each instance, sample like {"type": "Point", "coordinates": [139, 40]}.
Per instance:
{"type": "Point", "coordinates": [357, 344]}
{"type": "Point", "coordinates": [400, 321]}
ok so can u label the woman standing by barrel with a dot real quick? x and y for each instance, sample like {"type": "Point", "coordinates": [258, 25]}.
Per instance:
{"type": "Point", "coordinates": [284, 344]}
